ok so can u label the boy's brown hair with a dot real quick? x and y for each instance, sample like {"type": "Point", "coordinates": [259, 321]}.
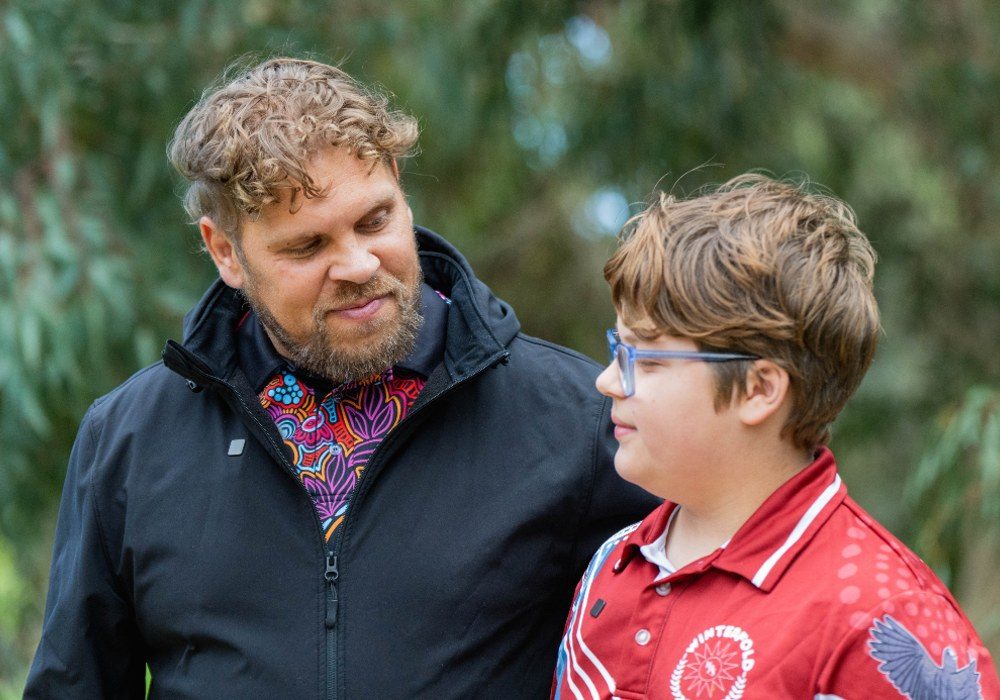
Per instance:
{"type": "Point", "coordinates": [251, 137]}
{"type": "Point", "coordinates": [763, 267]}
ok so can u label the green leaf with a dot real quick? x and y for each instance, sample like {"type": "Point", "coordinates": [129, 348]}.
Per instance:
{"type": "Point", "coordinates": [31, 341]}
{"type": "Point", "coordinates": [989, 463]}
{"type": "Point", "coordinates": [18, 30]}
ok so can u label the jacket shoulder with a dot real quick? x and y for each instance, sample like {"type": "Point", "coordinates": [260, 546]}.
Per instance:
{"type": "Point", "coordinates": [548, 351]}
{"type": "Point", "coordinates": [150, 385]}
{"type": "Point", "coordinates": [553, 373]}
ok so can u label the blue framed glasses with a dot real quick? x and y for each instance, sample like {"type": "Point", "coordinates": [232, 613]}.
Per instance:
{"type": "Point", "coordinates": [625, 355]}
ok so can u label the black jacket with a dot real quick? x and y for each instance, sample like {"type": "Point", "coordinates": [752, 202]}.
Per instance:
{"type": "Point", "coordinates": [451, 576]}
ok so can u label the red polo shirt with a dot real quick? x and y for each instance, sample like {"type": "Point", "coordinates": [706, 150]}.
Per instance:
{"type": "Point", "coordinates": [811, 598]}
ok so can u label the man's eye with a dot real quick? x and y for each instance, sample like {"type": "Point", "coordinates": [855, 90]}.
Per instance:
{"type": "Point", "coordinates": [305, 250]}
{"type": "Point", "coordinates": [376, 222]}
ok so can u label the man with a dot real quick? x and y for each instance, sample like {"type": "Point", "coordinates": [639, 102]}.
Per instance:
{"type": "Point", "coordinates": [355, 477]}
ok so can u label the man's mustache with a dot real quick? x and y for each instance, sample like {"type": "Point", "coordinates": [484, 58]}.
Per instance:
{"type": "Point", "coordinates": [349, 294]}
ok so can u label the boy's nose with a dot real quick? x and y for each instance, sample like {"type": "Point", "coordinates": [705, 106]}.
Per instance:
{"type": "Point", "coordinates": [609, 383]}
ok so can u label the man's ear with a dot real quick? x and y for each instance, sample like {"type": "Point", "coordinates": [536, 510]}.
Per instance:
{"type": "Point", "coordinates": [768, 389]}
{"type": "Point", "coordinates": [223, 253]}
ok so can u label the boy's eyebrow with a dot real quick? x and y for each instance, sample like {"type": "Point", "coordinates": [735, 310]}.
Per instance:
{"type": "Point", "coordinates": [626, 335]}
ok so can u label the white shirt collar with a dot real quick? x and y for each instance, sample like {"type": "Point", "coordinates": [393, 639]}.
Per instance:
{"type": "Point", "coordinates": [656, 551]}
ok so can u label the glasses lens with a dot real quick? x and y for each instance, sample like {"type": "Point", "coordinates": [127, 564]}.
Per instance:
{"type": "Point", "coordinates": [621, 359]}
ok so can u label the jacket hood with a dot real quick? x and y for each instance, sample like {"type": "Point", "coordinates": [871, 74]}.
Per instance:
{"type": "Point", "coordinates": [480, 325]}
{"type": "Point", "coordinates": [484, 324]}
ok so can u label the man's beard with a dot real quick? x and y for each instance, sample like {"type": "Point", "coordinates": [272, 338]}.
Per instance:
{"type": "Point", "coordinates": [340, 357]}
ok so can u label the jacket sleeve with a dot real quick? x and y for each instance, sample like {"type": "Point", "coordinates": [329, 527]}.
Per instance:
{"type": "Point", "coordinates": [613, 502]}
{"type": "Point", "coordinates": [90, 646]}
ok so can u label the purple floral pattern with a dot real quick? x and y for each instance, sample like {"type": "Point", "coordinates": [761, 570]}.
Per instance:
{"type": "Point", "coordinates": [331, 439]}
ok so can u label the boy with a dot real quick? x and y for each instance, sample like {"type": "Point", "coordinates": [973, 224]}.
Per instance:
{"type": "Point", "coordinates": [745, 320]}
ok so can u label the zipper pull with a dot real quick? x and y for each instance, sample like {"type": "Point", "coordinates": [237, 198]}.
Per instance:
{"type": "Point", "coordinates": [331, 574]}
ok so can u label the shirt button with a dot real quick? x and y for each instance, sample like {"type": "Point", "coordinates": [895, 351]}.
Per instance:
{"type": "Point", "coordinates": [663, 589]}
{"type": "Point", "coordinates": [642, 637]}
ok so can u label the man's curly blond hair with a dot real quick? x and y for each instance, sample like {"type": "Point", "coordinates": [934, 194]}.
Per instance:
{"type": "Point", "coordinates": [762, 267]}
{"type": "Point", "coordinates": [250, 138]}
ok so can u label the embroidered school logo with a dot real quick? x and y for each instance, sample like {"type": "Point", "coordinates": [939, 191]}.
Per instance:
{"type": "Point", "coordinates": [911, 670]}
{"type": "Point", "coordinates": [714, 665]}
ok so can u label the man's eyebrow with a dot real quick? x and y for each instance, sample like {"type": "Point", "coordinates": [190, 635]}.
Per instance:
{"type": "Point", "coordinates": [383, 202]}
{"type": "Point", "coordinates": [290, 238]}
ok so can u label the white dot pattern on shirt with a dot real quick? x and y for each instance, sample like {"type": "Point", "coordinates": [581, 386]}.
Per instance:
{"type": "Point", "coordinates": [894, 581]}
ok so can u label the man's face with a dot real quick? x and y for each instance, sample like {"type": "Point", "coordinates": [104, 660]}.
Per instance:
{"type": "Point", "coordinates": [336, 284]}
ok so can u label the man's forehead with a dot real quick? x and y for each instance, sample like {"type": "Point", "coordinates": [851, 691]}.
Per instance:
{"type": "Point", "coordinates": [364, 182]}
{"type": "Point", "coordinates": [329, 161]}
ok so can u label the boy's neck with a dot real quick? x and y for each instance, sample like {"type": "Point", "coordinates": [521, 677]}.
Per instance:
{"type": "Point", "coordinates": [709, 520]}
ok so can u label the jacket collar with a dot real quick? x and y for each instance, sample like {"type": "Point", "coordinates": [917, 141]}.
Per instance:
{"type": "Point", "coordinates": [769, 541]}
{"type": "Point", "coordinates": [480, 325]}
{"type": "Point", "coordinates": [477, 325]}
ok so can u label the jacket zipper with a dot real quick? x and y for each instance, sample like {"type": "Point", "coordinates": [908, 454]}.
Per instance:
{"type": "Point", "coordinates": [331, 575]}
{"type": "Point", "coordinates": [368, 474]}
{"type": "Point", "coordinates": [331, 572]}
{"type": "Point", "coordinates": [190, 368]}
{"type": "Point", "coordinates": [333, 553]}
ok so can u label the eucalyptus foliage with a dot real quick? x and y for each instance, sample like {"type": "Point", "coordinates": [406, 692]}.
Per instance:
{"type": "Point", "coordinates": [955, 492]}
{"type": "Point", "coordinates": [545, 124]}
{"type": "Point", "coordinates": [956, 486]}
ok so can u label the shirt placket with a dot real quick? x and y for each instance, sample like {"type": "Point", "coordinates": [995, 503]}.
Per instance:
{"type": "Point", "coordinates": [643, 639]}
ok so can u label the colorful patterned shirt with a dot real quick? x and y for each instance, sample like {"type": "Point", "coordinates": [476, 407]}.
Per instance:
{"type": "Point", "coordinates": [811, 598]}
{"type": "Point", "coordinates": [331, 437]}
{"type": "Point", "coordinates": [331, 432]}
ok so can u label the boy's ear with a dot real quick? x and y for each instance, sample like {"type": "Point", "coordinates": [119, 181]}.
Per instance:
{"type": "Point", "coordinates": [767, 390]}
{"type": "Point", "coordinates": [223, 253]}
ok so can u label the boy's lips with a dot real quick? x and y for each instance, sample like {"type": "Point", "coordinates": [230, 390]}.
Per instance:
{"type": "Point", "coordinates": [621, 428]}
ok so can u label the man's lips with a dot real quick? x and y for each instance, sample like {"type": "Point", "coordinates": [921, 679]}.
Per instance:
{"type": "Point", "coordinates": [361, 310]}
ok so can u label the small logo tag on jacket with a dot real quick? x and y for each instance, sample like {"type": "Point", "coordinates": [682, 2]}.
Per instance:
{"type": "Point", "coordinates": [236, 447]}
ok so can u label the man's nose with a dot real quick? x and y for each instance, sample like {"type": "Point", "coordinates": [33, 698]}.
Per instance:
{"type": "Point", "coordinates": [354, 262]}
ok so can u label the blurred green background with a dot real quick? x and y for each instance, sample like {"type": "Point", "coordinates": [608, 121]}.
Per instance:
{"type": "Point", "coordinates": [544, 125]}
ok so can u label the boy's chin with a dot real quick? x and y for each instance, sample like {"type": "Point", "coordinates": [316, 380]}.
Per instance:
{"type": "Point", "coordinates": [641, 476]}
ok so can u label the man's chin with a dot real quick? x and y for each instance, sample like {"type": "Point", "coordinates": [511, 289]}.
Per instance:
{"type": "Point", "coordinates": [347, 331]}
{"type": "Point", "coordinates": [346, 364]}
{"type": "Point", "coordinates": [352, 345]}
{"type": "Point", "coordinates": [362, 350]}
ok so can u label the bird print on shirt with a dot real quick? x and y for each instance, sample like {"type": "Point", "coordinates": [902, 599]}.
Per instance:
{"type": "Point", "coordinates": [911, 670]}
